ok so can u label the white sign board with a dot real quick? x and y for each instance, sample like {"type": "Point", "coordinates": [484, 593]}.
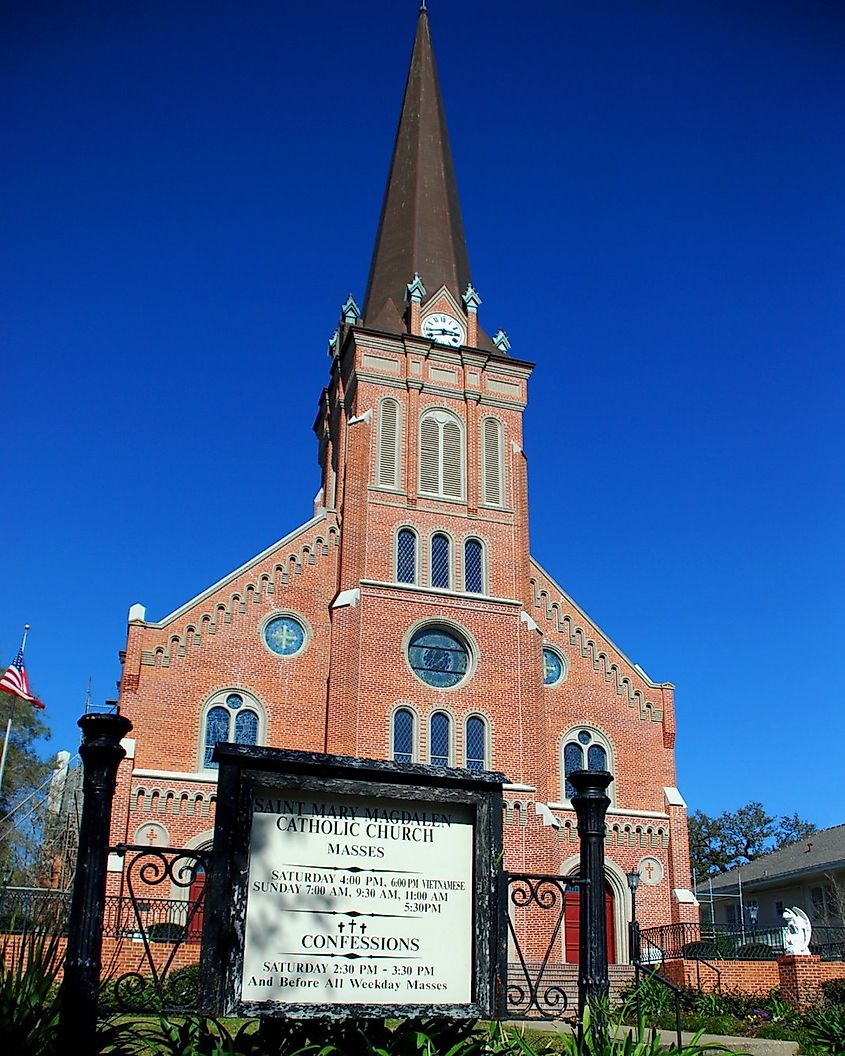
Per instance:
{"type": "Point", "coordinates": [353, 900]}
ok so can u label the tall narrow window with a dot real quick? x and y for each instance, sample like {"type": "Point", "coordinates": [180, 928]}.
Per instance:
{"type": "Point", "coordinates": [476, 743]}
{"type": "Point", "coordinates": [387, 469]}
{"type": "Point", "coordinates": [406, 556]}
{"type": "Point", "coordinates": [403, 736]}
{"type": "Point", "coordinates": [439, 738]}
{"type": "Point", "coordinates": [491, 462]}
{"type": "Point", "coordinates": [440, 561]}
{"type": "Point", "coordinates": [473, 567]}
{"type": "Point", "coordinates": [216, 729]}
{"type": "Point", "coordinates": [441, 456]}
{"type": "Point", "coordinates": [246, 727]}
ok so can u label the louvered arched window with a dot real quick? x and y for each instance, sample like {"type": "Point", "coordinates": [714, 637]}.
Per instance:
{"type": "Point", "coordinates": [492, 480]}
{"type": "Point", "coordinates": [473, 567]}
{"type": "Point", "coordinates": [441, 466]}
{"type": "Point", "coordinates": [387, 467]}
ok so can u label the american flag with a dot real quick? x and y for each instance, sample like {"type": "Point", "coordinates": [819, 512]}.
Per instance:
{"type": "Point", "coordinates": [14, 681]}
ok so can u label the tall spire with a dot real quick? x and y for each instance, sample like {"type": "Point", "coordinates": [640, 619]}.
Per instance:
{"type": "Point", "coordinates": [420, 230]}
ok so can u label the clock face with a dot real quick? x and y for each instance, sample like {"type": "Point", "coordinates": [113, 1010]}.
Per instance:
{"type": "Point", "coordinates": [444, 329]}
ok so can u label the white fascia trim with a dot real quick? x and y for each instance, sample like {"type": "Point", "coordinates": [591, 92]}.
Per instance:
{"type": "Point", "coordinates": [519, 788]}
{"type": "Point", "coordinates": [610, 642]}
{"type": "Point", "coordinates": [532, 625]}
{"type": "Point", "coordinates": [439, 591]}
{"type": "Point", "coordinates": [684, 896]}
{"type": "Point", "coordinates": [238, 571]}
{"type": "Point", "coordinates": [206, 778]}
{"type": "Point", "coordinates": [673, 797]}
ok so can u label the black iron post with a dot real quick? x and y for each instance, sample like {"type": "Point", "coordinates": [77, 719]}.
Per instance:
{"type": "Point", "coordinates": [633, 878]}
{"type": "Point", "coordinates": [590, 803]}
{"type": "Point", "coordinates": [101, 753]}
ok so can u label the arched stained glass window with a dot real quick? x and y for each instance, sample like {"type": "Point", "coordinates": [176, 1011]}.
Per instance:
{"type": "Point", "coordinates": [476, 743]}
{"type": "Point", "coordinates": [439, 738]}
{"type": "Point", "coordinates": [406, 556]}
{"type": "Point", "coordinates": [403, 735]}
{"type": "Point", "coordinates": [246, 727]}
{"type": "Point", "coordinates": [473, 566]}
{"type": "Point", "coordinates": [216, 729]}
{"type": "Point", "coordinates": [229, 716]}
{"type": "Point", "coordinates": [581, 751]}
{"type": "Point", "coordinates": [596, 757]}
{"type": "Point", "coordinates": [440, 561]}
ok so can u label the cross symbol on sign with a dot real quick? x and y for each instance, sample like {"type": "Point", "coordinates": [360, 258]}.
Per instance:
{"type": "Point", "coordinates": [152, 836]}
{"type": "Point", "coordinates": [649, 870]}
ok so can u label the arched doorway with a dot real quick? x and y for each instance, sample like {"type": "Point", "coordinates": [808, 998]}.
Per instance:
{"type": "Point", "coordinates": [572, 926]}
{"type": "Point", "coordinates": [195, 893]}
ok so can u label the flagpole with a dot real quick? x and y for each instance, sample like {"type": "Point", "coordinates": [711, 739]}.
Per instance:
{"type": "Point", "coordinates": [7, 738]}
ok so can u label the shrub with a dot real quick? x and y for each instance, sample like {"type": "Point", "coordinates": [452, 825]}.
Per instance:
{"type": "Point", "coordinates": [182, 987]}
{"type": "Point", "coordinates": [755, 951]}
{"type": "Point", "coordinates": [834, 991]}
{"type": "Point", "coordinates": [166, 931]}
{"type": "Point", "coordinates": [824, 1026]}
{"type": "Point", "coordinates": [29, 1006]}
{"type": "Point", "coordinates": [715, 948]}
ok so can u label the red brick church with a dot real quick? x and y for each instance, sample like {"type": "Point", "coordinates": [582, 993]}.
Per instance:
{"type": "Point", "coordinates": [405, 618]}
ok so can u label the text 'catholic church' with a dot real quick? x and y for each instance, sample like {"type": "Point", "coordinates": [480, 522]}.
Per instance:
{"type": "Point", "coordinates": [406, 618]}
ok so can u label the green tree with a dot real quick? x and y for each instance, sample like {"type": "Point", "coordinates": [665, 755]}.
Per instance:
{"type": "Point", "coordinates": [734, 837]}
{"type": "Point", "coordinates": [21, 802]}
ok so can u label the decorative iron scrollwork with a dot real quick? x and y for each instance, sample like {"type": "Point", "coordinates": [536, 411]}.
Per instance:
{"type": "Point", "coordinates": [536, 982]}
{"type": "Point", "coordinates": [155, 921]}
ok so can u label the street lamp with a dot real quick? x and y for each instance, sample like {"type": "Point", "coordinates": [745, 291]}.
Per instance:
{"type": "Point", "coordinates": [753, 912]}
{"type": "Point", "coordinates": [633, 879]}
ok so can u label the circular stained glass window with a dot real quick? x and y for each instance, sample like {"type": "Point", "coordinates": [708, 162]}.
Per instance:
{"type": "Point", "coordinates": [439, 657]}
{"type": "Point", "coordinates": [584, 737]}
{"type": "Point", "coordinates": [284, 635]}
{"type": "Point", "coordinates": [553, 667]}
{"type": "Point", "coordinates": [234, 701]}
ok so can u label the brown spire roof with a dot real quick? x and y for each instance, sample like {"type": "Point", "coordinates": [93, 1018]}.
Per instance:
{"type": "Point", "coordinates": [420, 228]}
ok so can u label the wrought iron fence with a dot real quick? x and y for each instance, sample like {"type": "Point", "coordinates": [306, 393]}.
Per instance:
{"type": "Point", "coordinates": [721, 942]}
{"type": "Point", "coordinates": [23, 909]}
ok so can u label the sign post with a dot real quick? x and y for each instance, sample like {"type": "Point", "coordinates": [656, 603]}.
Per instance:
{"type": "Point", "coordinates": [342, 886]}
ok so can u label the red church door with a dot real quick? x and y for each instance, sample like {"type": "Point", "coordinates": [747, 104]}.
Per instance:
{"type": "Point", "coordinates": [572, 926]}
{"type": "Point", "coordinates": [197, 888]}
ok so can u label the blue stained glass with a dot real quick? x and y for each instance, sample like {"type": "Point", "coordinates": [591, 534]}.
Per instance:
{"type": "Point", "coordinates": [584, 737]}
{"type": "Point", "coordinates": [284, 635]}
{"type": "Point", "coordinates": [403, 736]}
{"type": "Point", "coordinates": [438, 748]}
{"type": "Point", "coordinates": [473, 566]}
{"type": "Point", "coordinates": [234, 701]}
{"type": "Point", "coordinates": [476, 743]}
{"type": "Point", "coordinates": [573, 759]}
{"type": "Point", "coordinates": [406, 557]}
{"type": "Point", "coordinates": [216, 729]}
{"type": "Point", "coordinates": [438, 657]}
{"type": "Point", "coordinates": [440, 561]}
{"type": "Point", "coordinates": [246, 727]}
{"type": "Point", "coordinates": [596, 757]}
{"type": "Point", "coordinates": [552, 667]}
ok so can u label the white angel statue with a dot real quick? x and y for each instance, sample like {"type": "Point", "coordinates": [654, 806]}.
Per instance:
{"type": "Point", "coordinates": [796, 933]}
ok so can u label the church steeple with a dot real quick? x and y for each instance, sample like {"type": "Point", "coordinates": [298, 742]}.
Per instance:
{"type": "Point", "coordinates": [420, 231]}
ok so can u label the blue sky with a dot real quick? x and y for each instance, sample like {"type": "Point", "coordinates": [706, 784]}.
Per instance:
{"type": "Point", "coordinates": [653, 198]}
